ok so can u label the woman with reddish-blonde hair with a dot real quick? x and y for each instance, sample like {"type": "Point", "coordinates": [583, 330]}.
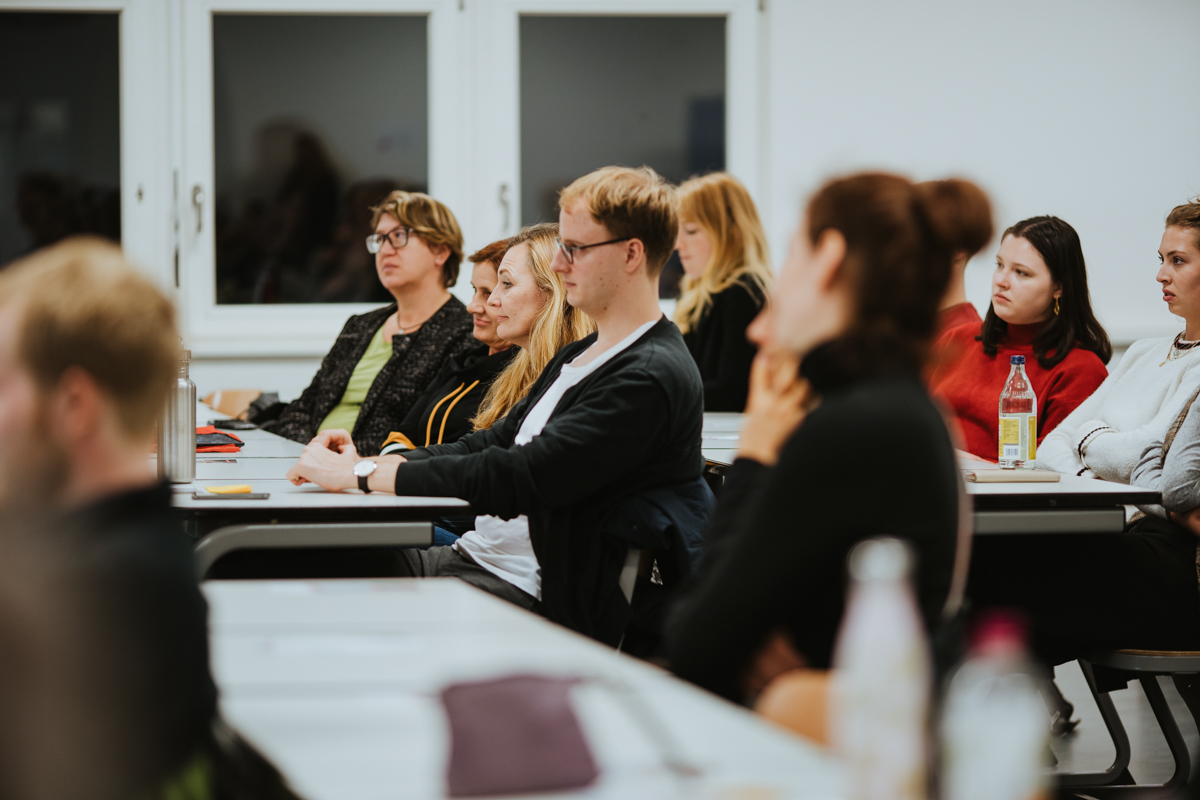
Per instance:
{"type": "Point", "coordinates": [838, 378]}
{"type": "Point", "coordinates": [723, 250]}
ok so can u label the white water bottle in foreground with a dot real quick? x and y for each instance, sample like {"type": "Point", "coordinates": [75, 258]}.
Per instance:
{"type": "Point", "coordinates": [880, 687]}
{"type": "Point", "coordinates": [994, 725]}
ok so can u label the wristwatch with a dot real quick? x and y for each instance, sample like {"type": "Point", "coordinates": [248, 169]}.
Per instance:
{"type": "Point", "coordinates": [362, 471]}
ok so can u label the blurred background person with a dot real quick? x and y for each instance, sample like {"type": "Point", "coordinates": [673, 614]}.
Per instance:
{"type": "Point", "coordinates": [723, 249]}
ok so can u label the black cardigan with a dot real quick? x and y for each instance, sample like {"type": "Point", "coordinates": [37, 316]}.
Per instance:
{"type": "Point", "coordinates": [874, 459]}
{"type": "Point", "coordinates": [133, 568]}
{"type": "Point", "coordinates": [415, 359]}
{"type": "Point", "coordinates": [719, 345]}
{"type": "Point", "coordinates": [630, 427]}
{"type": "Point", "coordinates": [443, 413]}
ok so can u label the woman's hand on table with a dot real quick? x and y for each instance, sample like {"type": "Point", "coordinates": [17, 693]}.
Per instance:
{"type": "Point", "coordinates": [779, 400]}
{"type": "Point", "coordinates": [334, 439]}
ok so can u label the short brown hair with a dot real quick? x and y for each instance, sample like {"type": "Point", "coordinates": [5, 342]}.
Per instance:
{"type": "Point", "coordinates": [1187, 216]}
{"type": "Point", "coordinates": [493, 253]}
{"type": "Point", "coordinates": [82, 305]}
{"type": "Point", "coordinates": [631, 203]}
{"type": "Point", "coordinates": [430, 220]}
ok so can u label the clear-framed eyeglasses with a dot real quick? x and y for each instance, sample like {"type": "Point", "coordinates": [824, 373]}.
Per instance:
{"type": "Point", "coordinates": [570, 250]}
{"type": "Point", "coordinates": [397, 236]}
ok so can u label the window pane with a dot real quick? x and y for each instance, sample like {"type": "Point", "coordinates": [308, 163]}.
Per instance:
{"type": "Point", "coordinates": [618, 90]}
{"type": "Point", "coordinates": [60, 129]}
{"type": "Point", "coordinates": [317, 118]}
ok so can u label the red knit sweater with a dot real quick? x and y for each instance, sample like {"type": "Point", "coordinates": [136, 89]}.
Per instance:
{"type": "Point", "coordinates": [970, 382]}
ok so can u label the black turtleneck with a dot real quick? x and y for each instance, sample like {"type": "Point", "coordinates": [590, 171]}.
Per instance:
{"type": "Point", "coordinates": [874, 459]}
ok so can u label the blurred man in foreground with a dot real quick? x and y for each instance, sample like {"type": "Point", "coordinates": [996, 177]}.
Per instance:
{"type": "Point", "coordinates": [102, 604]}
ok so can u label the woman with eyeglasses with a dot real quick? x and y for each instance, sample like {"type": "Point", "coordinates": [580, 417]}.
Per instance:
{"type": "Point", "coordinates": [383, 360]}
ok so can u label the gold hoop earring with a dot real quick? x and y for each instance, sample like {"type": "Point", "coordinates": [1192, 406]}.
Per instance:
{"type": "Point", "coordinates": [1056, 306]}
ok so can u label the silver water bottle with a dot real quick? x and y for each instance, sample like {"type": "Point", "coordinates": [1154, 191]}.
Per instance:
{"type": "Point", "coordinates": [177, 428]}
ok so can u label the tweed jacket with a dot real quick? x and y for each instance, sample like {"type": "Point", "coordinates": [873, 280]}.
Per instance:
{"type": "Point", "coordinates": [415, 359]}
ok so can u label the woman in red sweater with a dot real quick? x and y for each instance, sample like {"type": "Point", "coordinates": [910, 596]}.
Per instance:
{"type": "Point", "coordinates": [1040, 309]}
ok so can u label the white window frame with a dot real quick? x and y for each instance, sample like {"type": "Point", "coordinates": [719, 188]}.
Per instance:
{"type": "Point", "coordinates": [495, 101]}
{"type": "Point", "coordinates": [225, 331]}
{"type": "Point", "coordinates": [146, 191]}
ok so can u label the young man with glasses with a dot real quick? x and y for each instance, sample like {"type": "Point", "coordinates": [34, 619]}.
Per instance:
{"type": "Point", "coordinates": [603, 455]}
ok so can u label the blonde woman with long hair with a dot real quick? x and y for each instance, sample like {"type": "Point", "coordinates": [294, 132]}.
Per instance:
{"type": "Point", "coordinates": [727, 270]}
{"type": "Point", "coordinates": [531, 312]}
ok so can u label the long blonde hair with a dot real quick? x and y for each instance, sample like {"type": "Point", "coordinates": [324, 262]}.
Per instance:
{"type": "Point", "coordinates": [556, 324]}
{"type": "Point", "coordinates": [719, 204]}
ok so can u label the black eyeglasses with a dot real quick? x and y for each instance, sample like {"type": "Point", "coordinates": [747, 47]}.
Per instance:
{"type": "Point", "coordinates": [569, 250]}
{"type": "Point", "coordinates": [397, 236]}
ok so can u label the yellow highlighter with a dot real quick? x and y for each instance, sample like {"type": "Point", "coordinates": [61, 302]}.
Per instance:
{"type": "Point", "coordinates": [241, 488]}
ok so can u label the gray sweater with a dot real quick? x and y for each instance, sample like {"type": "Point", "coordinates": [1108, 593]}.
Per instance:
{"type": "Point", "coordinates": [1177, 475]}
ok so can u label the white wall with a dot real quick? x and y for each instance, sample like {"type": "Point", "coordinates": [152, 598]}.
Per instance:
{"type": "Point", "coordinates": [1085, 109]}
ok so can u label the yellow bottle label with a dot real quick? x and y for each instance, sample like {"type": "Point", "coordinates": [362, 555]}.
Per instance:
{"type": "Point", "coordinates": [1032, 437]}
{"type": "Point", "coordinates": [1010, 437]}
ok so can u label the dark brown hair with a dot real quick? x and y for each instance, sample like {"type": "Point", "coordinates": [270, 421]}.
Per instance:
{"type": "Point", "coordinates": [493, 253]}
{"type": "Point", "coordinates": [1187, 216]}
{"type": "Point", "coordinates": [900, 243]}
{"type": "Point", "coordinates": [1075, 325]}
{"type": "Point", "coordinates": [631, 203]}
{"type": "Point", "coordinates": [968, 212]}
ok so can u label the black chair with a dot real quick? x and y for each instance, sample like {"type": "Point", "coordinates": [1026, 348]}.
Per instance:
{"type": "Point", "coordinates": [1145, 666]}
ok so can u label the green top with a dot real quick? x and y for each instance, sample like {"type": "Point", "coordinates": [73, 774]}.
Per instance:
{"type": "Point", "coordinates": [345, 413]}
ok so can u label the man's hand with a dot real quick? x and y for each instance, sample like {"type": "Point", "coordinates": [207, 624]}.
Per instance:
{"type": "Point", "coordinates": [328, 469]}
{"type": "Point", "coordinates": [779, 400]}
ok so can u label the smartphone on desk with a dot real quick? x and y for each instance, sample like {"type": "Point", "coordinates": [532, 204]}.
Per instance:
{"type": "Point", "coordinates": [244, 496]}
{"type": "Point", "coordinates": [232, 424]}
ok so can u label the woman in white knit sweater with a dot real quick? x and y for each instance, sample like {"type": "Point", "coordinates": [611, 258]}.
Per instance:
{"type": "Point", "coordinates": [1105, 436]}
{"type": "Point", "coordinates": [1086, 592]}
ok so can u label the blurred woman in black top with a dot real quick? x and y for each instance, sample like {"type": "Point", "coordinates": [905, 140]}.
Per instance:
{"type": "Point", "coordinates": [723, 250]}
{"type": "Point", "coordinates": [841, 441]}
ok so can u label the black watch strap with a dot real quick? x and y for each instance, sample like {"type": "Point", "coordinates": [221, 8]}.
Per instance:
{"type": "Point", "coordinates": [362, 483]}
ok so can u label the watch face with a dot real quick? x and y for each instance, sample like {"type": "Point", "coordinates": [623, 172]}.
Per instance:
{"type": "Point", "coordinates": [364, 468]}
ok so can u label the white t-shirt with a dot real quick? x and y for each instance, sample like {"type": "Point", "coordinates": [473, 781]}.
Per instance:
{"type": "Point", "coordinates": [502, 547]}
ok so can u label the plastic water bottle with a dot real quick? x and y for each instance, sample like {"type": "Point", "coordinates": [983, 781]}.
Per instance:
{"type": "Point", "coordinates": [994, 726]}
{"type": "Point", "coordinates": [1018, 419]}
{"type": "Point", "coordinates": [177, 428]}
{"type": "Point", "coordinates": [879, 696]}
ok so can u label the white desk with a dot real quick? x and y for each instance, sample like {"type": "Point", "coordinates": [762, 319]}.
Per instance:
{"type": "Point", "coordinates": [1072, 505]}
{"type": "Point", "coordinates": [337, 682]}
{"type": "Point", "coordinates": [263, 463]}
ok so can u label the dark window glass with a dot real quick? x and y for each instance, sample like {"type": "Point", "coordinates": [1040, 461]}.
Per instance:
{"type": "Point", "coordinates": [60, 129]}
{"type": "Point", "coordinates": [317, 118]}
{"type": "Point", "coordinates": [619, 90]}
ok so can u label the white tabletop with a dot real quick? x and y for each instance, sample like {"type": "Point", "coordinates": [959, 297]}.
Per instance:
{"type": "Point", "coordinates": [337, 682]}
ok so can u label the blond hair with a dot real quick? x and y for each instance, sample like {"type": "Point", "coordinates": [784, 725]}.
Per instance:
{"type": "Point", "coordinates": [632, 204]}
{"type": "Point", "coordinates": [556, 324]}
{"type": "Point", "coordinates": [720, 204]}
{"type": "Point", "coordinates": [430, 220]}
{"type": "Point", "coordinates": [81, 305]}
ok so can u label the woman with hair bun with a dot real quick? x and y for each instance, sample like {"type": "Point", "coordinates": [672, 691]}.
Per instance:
{"type": "Point", "coordinates": [1040, 310]}
{"type": "Point", "coordinates": [723, 250]}
{"type": "Point", "coordinates": [842, 345]}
